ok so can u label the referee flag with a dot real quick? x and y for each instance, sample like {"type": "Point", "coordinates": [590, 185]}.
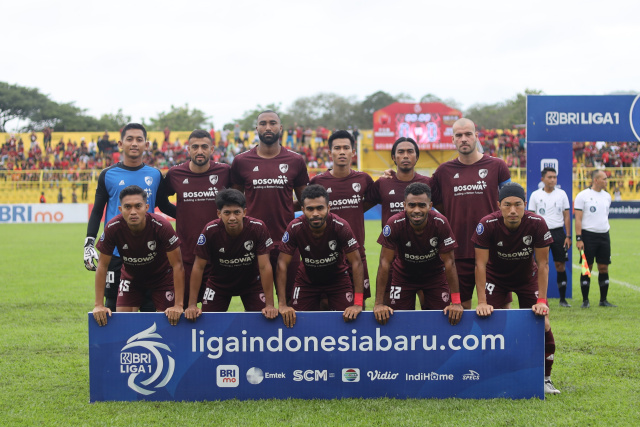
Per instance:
{"type": "Point", "coordinates": [585, 266]}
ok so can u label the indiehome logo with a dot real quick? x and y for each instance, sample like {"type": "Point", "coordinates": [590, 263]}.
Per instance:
{"type": "Point", "coordinates": [139, 363]}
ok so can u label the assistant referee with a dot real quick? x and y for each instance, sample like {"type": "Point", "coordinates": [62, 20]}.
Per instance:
{"type": "Point", "coordinates": [592, 234]}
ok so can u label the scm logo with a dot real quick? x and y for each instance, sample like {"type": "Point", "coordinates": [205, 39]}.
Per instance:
{"type": "Point", "coordinates": [311, 375]}
{"type": "Point", "coordinates": [227, 376]}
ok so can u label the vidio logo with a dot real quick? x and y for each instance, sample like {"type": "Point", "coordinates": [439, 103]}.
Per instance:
{"type": "Point", "coordinates": [140, 362]}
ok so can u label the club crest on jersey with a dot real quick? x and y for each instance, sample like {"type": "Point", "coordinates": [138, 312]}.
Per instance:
{"type": "Point", "coordinates": [541, 211]}
{"type": "Point", "coordinates": [386, 231]}
{"type": "Point", "coordinates": [248, 245]}
{"type": "Point", "coordinates": [333, 245]}
{"type": "Point", "coordinates": [148, 180]}
{"type": "Point", "coordinates": [434, 241]}
{"type": "Point", "coordinates": [102, 237]}
{"type": "Point", "coordinates": [284, 167]}
{"type": "Point", "coordinates": [202, 240]}
{"type": "Point", "coordinates": [527, 240]}
{"type": "Point", "coordinates": [285, 237]}
{"type": "Point", "coordinates": [151, 245]}
{"type": "Point", "coordinates": [483, 173]}
{"type": "Point", "coordinates": [349, 296]}
{"type": "Point", "coordinates": [592, 209]}
{"type": "Point", "coordinates": [480, 229]}
{"type": "Point", "coordinates": [213, 179]}
{"type": "Point", "coordinates": [356, 187]}
{"type": "Point", "coordinates": [170, 296]}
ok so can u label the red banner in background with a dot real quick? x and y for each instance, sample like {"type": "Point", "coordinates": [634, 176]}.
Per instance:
{"type": "Point", "coordinates": [429, 124]}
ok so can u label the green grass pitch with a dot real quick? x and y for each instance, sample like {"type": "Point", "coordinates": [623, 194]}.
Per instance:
{"type": "Point", "coordinates": [45, 293]}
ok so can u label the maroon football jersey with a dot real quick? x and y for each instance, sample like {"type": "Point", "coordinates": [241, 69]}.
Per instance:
{"type": "Point", "coordinates": [234, 260]}
{"type": "Point", "coordinates": [323, 258]}
{"type": "Point", "coordinates": [511, 254]}
{"type": "Point", "coordinates": [196, 200]}
{"type": "Point", "coordinates": [346, 198]}
{"type": "Point", "coordinates": [417, 261]}
{"type": "Point", "coordinates": [144, 256]}
{"type": "Point", "coordinates": [389, 192]}
{"type": "Point", "coordinates": [468, 193]}
{"type": "Point", "coordinates": [268, 186]}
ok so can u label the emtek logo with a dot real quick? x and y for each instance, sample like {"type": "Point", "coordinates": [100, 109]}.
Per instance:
{"type": "Point", "coordinates": [555, 118]}
{"type": "Point", "coordinates": [227, 376]}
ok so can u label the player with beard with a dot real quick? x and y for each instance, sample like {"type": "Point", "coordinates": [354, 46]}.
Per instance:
{"type": "Point", "coordinates": [130, 171]}
{"type": "Point", "coordinates": [465, 190]}
{"type": "Point", "coordinates": [237, 246]}
{"type": "Point", "coordinates": [512, 255]}
{"type": "Point", "coordinates": [150, 251]}
{"type": "Point", "coordinates": [269, 174]}
{"type": "Point", "coordinates": [196, 183]}
{"type": "Point", "coordinates": [418, 245]}
{"type": "Point", "coordinates": [324, 240]}
{"type": "Point", "coordinates": [346, 188]}
{"type": "Point", "coordinates": [389, 190]}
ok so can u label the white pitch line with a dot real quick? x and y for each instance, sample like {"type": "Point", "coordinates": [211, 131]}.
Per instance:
{"type": "Point", "coordinates": [618, 282]}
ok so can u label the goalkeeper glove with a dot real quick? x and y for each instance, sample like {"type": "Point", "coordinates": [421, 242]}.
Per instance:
{"type": "Point", "coordinates": [90, 254]}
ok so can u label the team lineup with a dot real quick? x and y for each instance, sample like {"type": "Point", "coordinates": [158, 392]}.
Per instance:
{"type": "Point", "coordinates": [464, 228]}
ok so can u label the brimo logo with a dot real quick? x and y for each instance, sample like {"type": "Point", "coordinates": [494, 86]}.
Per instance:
{"type": "Point", "coordinates": [140, 362]}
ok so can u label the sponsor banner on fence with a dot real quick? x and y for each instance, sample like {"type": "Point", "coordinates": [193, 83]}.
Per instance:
{"type": "Point", "coordinates": [139, 356]}
{"type": "Point", "coordinates": [583, 118]}
{"type": "Point", "coordinates": [627, 210]}
{"type": "Point", "coordinates": [44, 213]}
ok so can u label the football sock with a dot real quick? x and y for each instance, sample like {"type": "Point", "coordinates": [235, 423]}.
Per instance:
{"type": "Point", "coordinates": [562, 284]}
{"type": "Point", "coordinates": [603, 281]}
{"type": "Point", "coordinates": [585, 281]}
{"type": "Point", "coordinates": [549, 351]}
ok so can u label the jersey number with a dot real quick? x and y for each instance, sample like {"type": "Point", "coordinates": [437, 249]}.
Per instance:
{"type": "Point", "coordinates": [490, 287]}
{"type": "Point", "coordinates": [395, 292]}
{"type": "Point", "coordinates": [208, 294]}
{"type": "Point", "coordinates": [124, 285]}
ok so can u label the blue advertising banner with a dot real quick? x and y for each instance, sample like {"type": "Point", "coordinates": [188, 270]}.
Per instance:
{"type": "Point", "coordinates": [583, 118]}
{"type": "Point", "coordinates": [558, 155]}
{"type": "Point", "coordinates": [139, 356]}
{"type": "Point", "coordinates": [627, 210]}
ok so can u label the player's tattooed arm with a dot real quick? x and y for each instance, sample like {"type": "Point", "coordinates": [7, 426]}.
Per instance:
{"type": "Point", "coordinates": [482, 258]}
{"type": "Point", "coordinates": [381, 311]}
{"type": "Point", "coordinates": [288, 313]}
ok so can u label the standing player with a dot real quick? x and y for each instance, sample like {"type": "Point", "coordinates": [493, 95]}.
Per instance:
{"type": "Point", "coordinates": [129, 171]}
{"type": "Point", "coordinates": [464, 190]}
{"type": "Point", "coordinates": [592, 234]}
{"type": "Point", "coordinates": [389, 190]}
{"type": "Point", "coordinates": [346, 188]}
{"type": "Point", "coordinates": [323, 240]}
{"type": "Point", "coordinates": [418, 245]}
{"type": "Point", "coordinates": [552, 204]}
{"type": "Point", "coordinates": [196, 183]}
{"type": "Point", "coordinates": [268, 174]}
{"type": "Point", "coordinates": [512, 255]}
{"type": "Point", "coordinates": [237, 247]}
{"type": "Point", "coordinates": [150, 250]}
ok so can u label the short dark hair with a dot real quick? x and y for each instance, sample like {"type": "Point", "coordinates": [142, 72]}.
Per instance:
{"type": "Point", "coordinates": [269, 111]}
{"type": "Point", "coordinates": [342, 134]}
{"type": "Point", "coordinates": [416, 189]}
{"type": "Point", "coordinates": [230, 197]}
{"type": "Point", "coordinates": [132, 190]}
{"type": "Point", "coordinates": [313, 192]}
{"type": "Point", "coordinates": [133, 126]}
{"type": "Point", "coordinates": [548, 169]}
{"type": "Point", "coordinates": [200, 133]}
{"type": "Point", "coordinates": [403, 139]}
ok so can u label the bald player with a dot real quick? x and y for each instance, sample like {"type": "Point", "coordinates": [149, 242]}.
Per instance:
{"type": "Point", "coordinates": [465, 189]}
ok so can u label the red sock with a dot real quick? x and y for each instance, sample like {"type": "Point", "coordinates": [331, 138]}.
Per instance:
{"type": "Point", "coordinates": [549, 351]}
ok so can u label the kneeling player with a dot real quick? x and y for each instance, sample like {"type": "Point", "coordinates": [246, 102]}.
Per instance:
{"type": "Point", "coordinates": [323, 239]}
{"type": "Point", "coordinates": [237, 247]}
{"type": "Point", "coordinates": [150, 249]}
{"type": "Point", "coordinates": [418, 245]}
{"type": "Point", "coordinates": [506, 242]}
